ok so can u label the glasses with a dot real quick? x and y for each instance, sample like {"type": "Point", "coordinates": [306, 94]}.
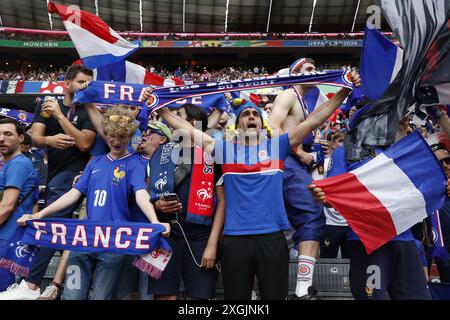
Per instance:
{"type": "Point", "coordinates": [150, 131]}
{"type": "Point", "coordinates": [445, 161]}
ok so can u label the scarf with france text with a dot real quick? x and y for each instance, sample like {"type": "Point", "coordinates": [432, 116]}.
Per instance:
{"type": "Point", "coordinates": [141, 239]}
{"type": "Point", "coordinates": [108, 92]}
{"type": "Point", "coordinates": [200, 207]}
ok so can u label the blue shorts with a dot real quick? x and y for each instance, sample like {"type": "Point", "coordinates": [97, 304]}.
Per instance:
{"type": "Point", "coordinates": [393, 271]}
{"type": "Point", "coordinates": [304, 213]}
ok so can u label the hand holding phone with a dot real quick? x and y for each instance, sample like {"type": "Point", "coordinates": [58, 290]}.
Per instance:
{"type": "Point", "coordinates": [169, 203]}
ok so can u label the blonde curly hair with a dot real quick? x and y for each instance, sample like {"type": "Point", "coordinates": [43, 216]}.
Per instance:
{"type": "Point", "coordinates": [119, 120]}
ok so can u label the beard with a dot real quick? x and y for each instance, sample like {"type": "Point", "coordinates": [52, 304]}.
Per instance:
{"type": "Point", "coordinates": [9, 152]}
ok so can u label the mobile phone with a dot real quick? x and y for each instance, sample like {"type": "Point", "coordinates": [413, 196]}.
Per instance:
{"type": "Point", "coordinates": [170, 197]}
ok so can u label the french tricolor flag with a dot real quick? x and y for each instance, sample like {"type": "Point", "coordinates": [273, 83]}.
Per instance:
{"type": "Point", "coordinates": [390, 193]}
{"type": "Point", "coordinates": [96, 43]}
{"type": "Point", "coordinates": [125, 71]}
{"type": "Point", "coordinates": [381, 60]}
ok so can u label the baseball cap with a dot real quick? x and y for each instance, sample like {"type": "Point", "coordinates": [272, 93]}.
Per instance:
{"type": "Point", "coordinates": [161, 129]}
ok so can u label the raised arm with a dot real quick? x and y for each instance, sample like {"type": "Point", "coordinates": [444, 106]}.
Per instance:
{"type": "Point", "coordinates": [316, 118]}
{"type": "Point", "coordinates": [96, 118]}
{"type": "Point", "coordinates": [281, 107]}
{"type": "Point", "coordinates": [444, 122]}
{"type": "Point", "coordinates": [197, 136]}
{"type": "Point", "coordinates": [214, 118]}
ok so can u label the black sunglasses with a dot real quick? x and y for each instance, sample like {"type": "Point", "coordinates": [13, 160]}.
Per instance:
{"type": "Point", "coordinates": [446, 161]}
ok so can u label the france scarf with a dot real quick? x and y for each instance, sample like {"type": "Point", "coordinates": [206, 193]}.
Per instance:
{"type": "Point", "coordinates": [106, 92]}
{"type": "Point", "coordinates": [200, 206]}
{"type": "Point", "coordinates": [140, 239]}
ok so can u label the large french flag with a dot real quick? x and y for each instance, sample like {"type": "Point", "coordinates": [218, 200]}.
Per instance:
{"type": "Point", "coordinates": [125, 71]}
{"type": "Point", "coordinates": [381, 60]}
{"type": "Point", "coordinates": [96, 43]}
{"type": "Point", "coordinates": [390, 193]}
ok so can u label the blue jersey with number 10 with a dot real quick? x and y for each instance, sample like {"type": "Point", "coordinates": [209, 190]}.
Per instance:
{"type": "Point", "coordinates": [109, 184]}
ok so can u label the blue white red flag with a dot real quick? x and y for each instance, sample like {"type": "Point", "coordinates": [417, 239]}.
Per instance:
{"type": "Point", "coordinates": [381, 60]}
{"type": "Point", "coordinates": [369, 197]}
{"type": "Point", "coordinates": [97, 44]}
{"type": "Point", "coordinates": [126, 71]}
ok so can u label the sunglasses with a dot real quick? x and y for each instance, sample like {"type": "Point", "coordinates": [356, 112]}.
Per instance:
{"type": "Point", "coordinates": [150, 131]}
{"type": "Point", "coordinates": [446, 161]}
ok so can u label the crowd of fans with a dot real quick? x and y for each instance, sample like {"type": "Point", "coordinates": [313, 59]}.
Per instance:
{"type": "Point", "coordinates": [197, 74]}
{"type": "Point", "coordinates": [192, 37]}
{"type": "Point", "coordinates": [33, 75]}
{"type": "Point", "coordinates": [254, 246]}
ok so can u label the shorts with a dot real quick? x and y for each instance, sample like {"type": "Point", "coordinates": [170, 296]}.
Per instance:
{"type": "Point", "coordinates": [304, 213]}
{"type": "Point", "coordinates": [265, 256]}
{"type": "Point", "coordinates": [334, 238]}
{"type": "Point", "coordinates": [198, 282]}
{"type": "Point", "coordinates": [393, 271]}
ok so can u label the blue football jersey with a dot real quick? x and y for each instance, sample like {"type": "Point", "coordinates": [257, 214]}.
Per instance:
{"type": "Point", "coordinates": [109, 185]}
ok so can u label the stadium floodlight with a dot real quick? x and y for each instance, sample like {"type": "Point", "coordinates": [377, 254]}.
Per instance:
{"type": "Point", "coordinates": [312, 16]}
{"type": "Point", "coordinates": [226, 15]}
{"type": "Point", "coordinates": [268, 17]}
{"type": "Point", "coordinates": [140, 15]}
{"type": "Point", "coordinates": [184, 15]}
{"type": "Point", "coordinates": [50, 18]}
{"type": "Point", "coordinates": [356, 14]}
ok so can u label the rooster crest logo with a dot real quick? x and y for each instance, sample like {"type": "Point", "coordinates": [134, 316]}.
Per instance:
{"type": "Point", "coordinates": [152, 101]}
{"type": "Point", "coordinates": [22, 250]}
{"type": "Point", "coordinates": [160, 183]}
{"type": "Point", "coordinates": [347, 77]}
{"type": "Point", "coordinates": [119, 174]}
{"type": "Point", "coordinates": [369, 291]}
{"type": "Point", "coordinates": [22, 116]}
{"type": "Point", "coordinates": [204, 194]}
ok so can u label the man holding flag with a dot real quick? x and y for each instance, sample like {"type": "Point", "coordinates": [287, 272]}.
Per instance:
{"type": "Point", "coordinates": [384, 260]}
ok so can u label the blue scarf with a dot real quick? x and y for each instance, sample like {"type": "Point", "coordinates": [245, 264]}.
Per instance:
{"type": "Point", "coordinates": [161, 179]}
{"type": "Point", "coordinates": [20, 116]}
{"type": "Point", "coordinates": [107, 92]}
{"type": "Point", "coordinates": [143, 239]}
